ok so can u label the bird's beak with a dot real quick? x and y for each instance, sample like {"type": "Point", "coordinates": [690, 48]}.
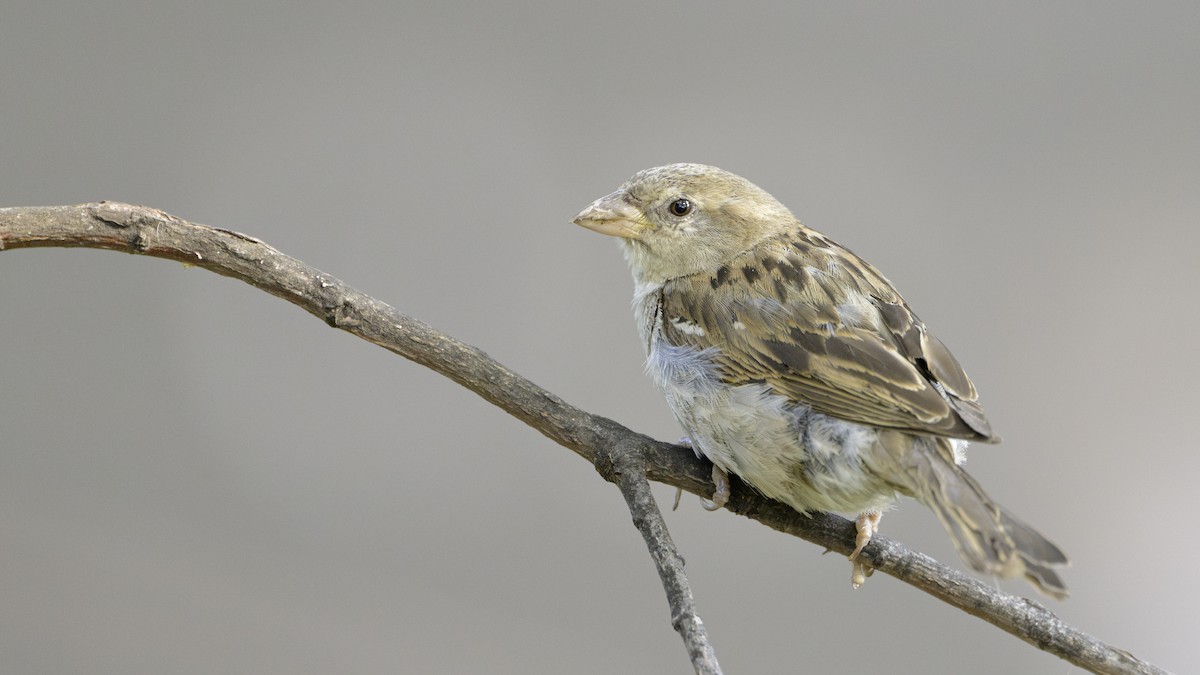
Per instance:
{"type": "Point", "coordinates": [614, 216]}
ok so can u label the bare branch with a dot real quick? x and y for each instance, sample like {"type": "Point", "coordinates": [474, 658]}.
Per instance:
{"type": "Point", "coordinates": [623, 464]}
{"type": "Point", "coordinates": [622, 456]}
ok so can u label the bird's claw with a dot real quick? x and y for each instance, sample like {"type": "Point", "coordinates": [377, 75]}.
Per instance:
{"type": "Point", "coordinates": [720, 479]}
{"type": "Point", "coordinates": [867, 524]}
{"type": "Point", "coordinates": [721, 495]}
{"type": "Point", "coordinates": [859, 573]}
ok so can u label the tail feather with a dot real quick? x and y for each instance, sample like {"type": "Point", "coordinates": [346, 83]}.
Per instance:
{"type": "Point", "coordinates": [987, 537]}
{"type": "Point", "coordinates": [1038, 553]}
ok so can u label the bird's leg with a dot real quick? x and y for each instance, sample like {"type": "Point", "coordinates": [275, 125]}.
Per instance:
{"type": "Point", "coordinates": [867, 525]}
{"type": "Point", "coordinates": [721, 494]}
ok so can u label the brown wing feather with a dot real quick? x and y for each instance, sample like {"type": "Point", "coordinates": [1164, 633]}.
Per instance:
{"type": "Point", "coordinates": [823, 328]}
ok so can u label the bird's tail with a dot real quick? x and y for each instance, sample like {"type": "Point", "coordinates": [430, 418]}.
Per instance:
{"type": "Point", "coordinates": [989, 538]}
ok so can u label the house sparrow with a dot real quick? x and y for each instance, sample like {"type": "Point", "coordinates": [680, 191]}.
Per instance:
{"type": "Point", "coordinates": [792, 363]}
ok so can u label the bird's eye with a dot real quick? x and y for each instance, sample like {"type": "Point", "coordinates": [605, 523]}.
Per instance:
{"type": "Point", "coordinates": [681, 207]}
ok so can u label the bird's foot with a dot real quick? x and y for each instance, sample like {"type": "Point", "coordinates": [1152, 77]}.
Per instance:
{"type": "Point", "coordinates": [721, 495]}
{"type": "Point", "coordinates": [867, 525]}
{"type": "Point", "coordinates": [720, 479]}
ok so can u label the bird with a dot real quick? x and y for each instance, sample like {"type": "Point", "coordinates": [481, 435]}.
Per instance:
{"type": "Point", "coordinates": [794, 364]}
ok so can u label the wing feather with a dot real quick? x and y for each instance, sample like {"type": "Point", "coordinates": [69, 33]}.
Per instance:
{"type": "Point", "coordinates": [822, 327]}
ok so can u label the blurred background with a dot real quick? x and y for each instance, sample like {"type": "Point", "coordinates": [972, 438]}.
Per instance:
{"type": "Point", "coordinates": [196, 477]}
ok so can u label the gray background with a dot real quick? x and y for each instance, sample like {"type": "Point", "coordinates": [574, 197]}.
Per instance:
{"type": "Point", "coordinates": [196, 477]}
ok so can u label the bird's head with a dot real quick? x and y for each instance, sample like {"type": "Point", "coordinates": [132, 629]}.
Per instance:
{"type": "Point", "coordinates": [683, 219]}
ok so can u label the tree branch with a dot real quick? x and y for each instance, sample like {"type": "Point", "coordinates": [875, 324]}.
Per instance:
{"type": "Point", "coordinates": [620, 455]}
{"type": "Point", "coordinates": [623, 464]}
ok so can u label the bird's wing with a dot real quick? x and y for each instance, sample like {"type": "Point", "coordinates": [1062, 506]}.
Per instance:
{"type": "Point", "coordinates": [823, 328]}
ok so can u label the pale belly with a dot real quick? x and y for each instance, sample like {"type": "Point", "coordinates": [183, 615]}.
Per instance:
{"type": "Point", "coordinates": [790, 453]}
